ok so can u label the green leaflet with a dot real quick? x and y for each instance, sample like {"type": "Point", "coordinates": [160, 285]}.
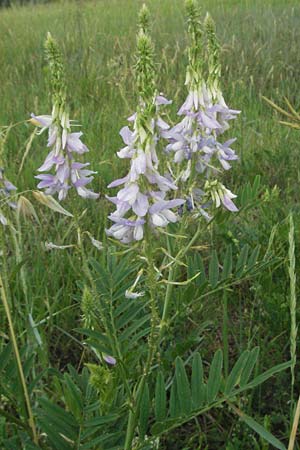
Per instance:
{"type": "Point", "coordinates": [160, 398]}
{"type": "Point", "coordinates": [253, 257]}
{"type": "Point", "coordinates": [53, 435]}
{"type": "Point", "coordinates": [108, 439]}
{"type": "Point", "coordinates": [5, 356]}
{"type": "Point", "coordinates": [242, 260]}
{"type": "Point", "coordinates": [136, 325]}
{"type": "Point", "coordinates": [235, 375]}
{"type": "Point", "coordinates": [209, 396]}
{"type": "Point", "coordinates": [174, 402]}
{"type": "Point", "coordinates": [256, 185]}
{"type": "Point", "coordinates": [73, 396]}
{"type": "Point", "coordinates": [144, 411]}
{"type": "Point", "coordinates": [268, 374]}
{"type": "Point", "coordinates": [227, 264]}
{"type": "Point", "coordinates": [183, 387]}
{"type": "Point", "coordinates": [198, 388]}
{"type": "Point", "coordinates": [214, 378]}
{"type": "Point", "coordinates": [213, 269]}
{"type": "Point", "coordinates": [249, 366]}
{"type": "Point", "coordinates": [101, 420]}
{"type": "Point", "coordinates": [60, 421]}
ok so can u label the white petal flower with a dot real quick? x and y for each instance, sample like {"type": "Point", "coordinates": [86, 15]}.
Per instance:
{"type": "Point", "coordinates": [133, 295]}
{"type": "Point", "coordinates": [96, 243]}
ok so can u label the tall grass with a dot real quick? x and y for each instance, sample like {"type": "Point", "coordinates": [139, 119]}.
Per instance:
{"type": "Point", "coordinates": [293, 306]}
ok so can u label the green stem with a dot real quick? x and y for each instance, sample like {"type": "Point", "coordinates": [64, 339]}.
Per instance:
{"type": "Point", "coordinates": [22, 270]}
{"type": "Point", "coordinates": [153, 341]}
{"type": "Point", "coordinates": [295, 423]}
{"type": "Point", "coordinates": [19, 363]}
{"type": "Point", "coordinates": [225, 334]}
{"type": "Point", "coordinates": [183, 251]}
{"type": "Point", "coordinates": [293, 307]}
{"type": "Point", "coordinates": [19, 261]}
{"type": "Point", "coordinates": [153, 344]}
{"type": "Point", "coordinates": [119, 355]}
{"type": "Point", "coordinates": [172, 275]}
{"type": "Point", "coordinates": [169, 290]}
{"type": "Point", "coordinates": [133, 414]}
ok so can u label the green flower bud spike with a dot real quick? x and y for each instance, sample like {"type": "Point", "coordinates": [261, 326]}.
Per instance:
{"type": "Point", "coordinates": [144, 19]}
{"type": "Point", "coordinates": [194, 74]}
{"type": "Point", "coordinates": [213, 52]}
{"type": "Point", "coordinates": [57, 74]}
{"type": "Point", "coordinates": [145, 69]}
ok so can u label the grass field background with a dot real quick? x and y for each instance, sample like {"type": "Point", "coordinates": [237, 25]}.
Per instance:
{"type": "Point", "coordinates": [260, 56]}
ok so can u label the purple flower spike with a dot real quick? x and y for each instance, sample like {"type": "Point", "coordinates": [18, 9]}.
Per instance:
{"type": "Point", "coordinates": [63, 144]}
{"type": "Point", "coordinates": [195, 143]}
{"type": "Point", "coordinates": [141, 200]}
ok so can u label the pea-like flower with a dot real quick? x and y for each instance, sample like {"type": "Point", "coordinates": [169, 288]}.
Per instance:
{"type": "Point", "coordinates": [219, 194]}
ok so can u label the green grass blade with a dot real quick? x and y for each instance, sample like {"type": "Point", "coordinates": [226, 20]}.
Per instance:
{"type": "Point", "coordinates": [263, 433]}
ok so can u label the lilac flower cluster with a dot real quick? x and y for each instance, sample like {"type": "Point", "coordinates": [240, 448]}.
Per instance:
{"type": "Point", "coordinates": [63, 143]}
{"type": "Point", "coordinates": [142, 200]}
{"type": "Point", "coordinates": [196, 138]}
{"type": "Point", "coordinates": [6, 188]}
{"type": "Point", "coordinates": [64, 146]}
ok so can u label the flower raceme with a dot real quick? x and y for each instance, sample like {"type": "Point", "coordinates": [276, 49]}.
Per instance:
{"type": "Point", "coordinates": [142, 200]}
{"type": "Point", "coordinates": [195, 139]}
{"type": "Point", "coordinates": [64, 146]}
{"type": "Point", "coordinates": [63, 143]}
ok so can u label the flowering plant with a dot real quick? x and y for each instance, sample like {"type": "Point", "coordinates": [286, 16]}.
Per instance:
{"type": "Point", "coordinates": [143, 295]}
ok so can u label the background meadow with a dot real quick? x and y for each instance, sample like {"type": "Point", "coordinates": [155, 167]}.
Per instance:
{"type": "Point", "coordinates": [260, 57]}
